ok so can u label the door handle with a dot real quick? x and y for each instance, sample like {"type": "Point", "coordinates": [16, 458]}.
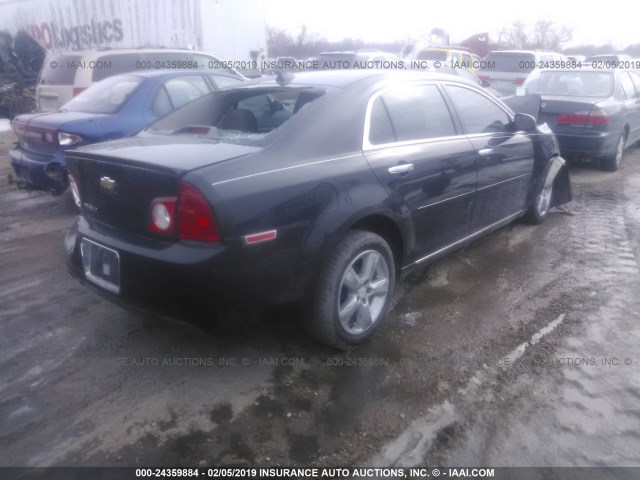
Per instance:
{"type": "Point", "coordinates": [485, 152]}
{"type": "Point", "coordinates": [403, 168]}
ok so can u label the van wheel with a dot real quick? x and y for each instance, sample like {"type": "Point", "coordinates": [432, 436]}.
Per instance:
{"type": "Point", "coordinates": [354, 290]}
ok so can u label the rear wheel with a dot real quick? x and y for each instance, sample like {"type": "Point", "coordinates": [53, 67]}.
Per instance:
{"type": "Point", "coordinates": [613, 162]}
{"type": "Point", "coordinates": [354, 290]}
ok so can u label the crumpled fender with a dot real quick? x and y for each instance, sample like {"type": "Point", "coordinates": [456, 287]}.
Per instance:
{"type": "Point", "coordinates": [556, 173]}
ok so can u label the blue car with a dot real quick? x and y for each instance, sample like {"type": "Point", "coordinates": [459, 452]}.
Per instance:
{"type": "Point", "coordinates": [116, 107]}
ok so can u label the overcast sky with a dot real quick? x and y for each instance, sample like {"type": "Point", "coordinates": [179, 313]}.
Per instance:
{"type": "Point", "coordinates": [387, 21]}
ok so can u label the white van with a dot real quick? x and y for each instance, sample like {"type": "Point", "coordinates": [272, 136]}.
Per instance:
{"type": "Point", "coordinates": [63, 76]}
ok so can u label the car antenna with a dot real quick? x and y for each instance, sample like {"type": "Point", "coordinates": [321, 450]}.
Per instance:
{"type": "Point", "coordinates": [284, 78]}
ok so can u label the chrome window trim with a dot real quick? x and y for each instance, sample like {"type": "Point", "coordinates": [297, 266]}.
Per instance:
{"type": "Point", "coordinates": [368, 146]}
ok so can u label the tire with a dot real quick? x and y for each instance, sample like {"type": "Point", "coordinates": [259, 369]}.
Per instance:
{"type": "Point", "coordinates": [354, 290]}
{"type": "Point", "coordinates": [539, 208]}
{"type": "Point", "coordinates": [613, 161]}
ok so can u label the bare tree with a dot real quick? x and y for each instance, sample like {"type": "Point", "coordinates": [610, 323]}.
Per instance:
{"type": "Point", "coordinates": [544, 34]}
{"type": "Point", "coordinates": [279, 42]}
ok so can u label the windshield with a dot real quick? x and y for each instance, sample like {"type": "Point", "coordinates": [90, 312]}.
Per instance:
{"type": "Point", "coordinates": [244, 116]}
{"type": "Point", "coordinates": [571, 83]}
{"type": "Point", "coordinates": [511, 62]}
{"type": "Point", "coordinates": [104, 97]}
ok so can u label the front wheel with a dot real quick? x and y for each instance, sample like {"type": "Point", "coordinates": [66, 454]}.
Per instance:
{"type": "Point", "coordinates": [354, 290]}
{"type": "Point", "coordinates": [539, 209]}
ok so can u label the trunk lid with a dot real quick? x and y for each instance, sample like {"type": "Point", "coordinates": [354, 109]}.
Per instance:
{"type": "Point", "coordinates": [35, 137]}
{"type": "Point", "coordinates": [118, 180]}
{"type": "Point", "coordinates": [552, 106]}
{"type": "Point", "coordinates": [38, 133]}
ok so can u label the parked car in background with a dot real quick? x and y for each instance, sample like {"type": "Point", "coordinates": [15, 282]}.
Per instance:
{"type": "Point", "coordinates": [578, 59]}
{"type": "Point", "coordinates": [371, 174]}
{"type": "Point", "coordinates": [468, 75]}
{"type": "Point", "coordinates": [429, 66]}
{"type": "Point", "coordinates": [65, 75]}
{"type": "Point", "coordinates": [593, 112]}
{"type": "Point", "coordinates": [117, 107]}
{"type": "Point", "coordinates": [407, 50]}
{"type": "Point", "coordinates": [453, 57]}
{"type": "Point", "coordinates": [507, 70]}
{"type": "Point", "coordinates": [610, 60]}
{"type": "Point", "coordinates": [363, 58]}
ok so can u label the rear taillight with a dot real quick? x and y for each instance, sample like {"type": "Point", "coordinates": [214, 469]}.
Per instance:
{"type": "Point", "coordinates": [585, 117]}
{"type": "Point", "coordinates": [520, 80]}
{"type": "Point", "coordinates": [195, 220]}
{"type": "Point", "coordinates": [77, 91]}
{"type": "Point", "coordinates": [484, 77]}
{"type": "Point", "coordinates": [163, 215]}
{"type": "Point", "coordinates": [188, 216]}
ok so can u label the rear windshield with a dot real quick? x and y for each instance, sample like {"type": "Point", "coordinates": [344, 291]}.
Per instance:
{"type": "Point", "coordinates": [59, 70]}
{"type": "Point", "coordinates": [432, 55]}
{"type": "Point", "coordinates": [572, 84]}
{"type": "Point", "coordinates": [105, 97]}
{"type": "Point", "coordinates": [511, 61]}
{"type": "Point", "coordinates": [244, 116]}
{"type": "Point", "coordinates": [114, 64]}
{"type": "Point", "coordinates": [602, 58]}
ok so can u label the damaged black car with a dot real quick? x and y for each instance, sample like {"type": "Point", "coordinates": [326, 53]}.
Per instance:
{"type": "Point", "coordinates": [323, 188]}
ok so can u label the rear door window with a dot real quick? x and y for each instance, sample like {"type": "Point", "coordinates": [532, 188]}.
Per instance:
{"type": "Point", "coordinates": [406, 114]}
{"type": "Point", "coordinates": [627, 86]}
{"type": "Point", "coordinates": [635, 78]}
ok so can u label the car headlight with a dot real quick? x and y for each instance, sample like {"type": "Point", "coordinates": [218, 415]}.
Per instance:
{"type": "Point", "coordinates": [67, 139]}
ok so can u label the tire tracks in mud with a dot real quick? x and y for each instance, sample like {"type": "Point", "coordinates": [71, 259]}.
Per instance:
{"type": "Point", "coordinates": [573, 399]}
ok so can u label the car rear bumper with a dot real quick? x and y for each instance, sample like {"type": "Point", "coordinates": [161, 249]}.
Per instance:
{"type": "Point", "coordinates": [44, 172]}
{"type": "Point", "coordinates": [186, 280]}
{"type": "Point", "coordinates": [598, 145]}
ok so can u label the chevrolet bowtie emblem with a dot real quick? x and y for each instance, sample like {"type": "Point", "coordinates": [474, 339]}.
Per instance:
{"type": "Point", "coordinates": [107, 185]}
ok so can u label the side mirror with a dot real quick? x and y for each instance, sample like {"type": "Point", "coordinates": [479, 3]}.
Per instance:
{"type": "Point", "coordinates": [524, 123]}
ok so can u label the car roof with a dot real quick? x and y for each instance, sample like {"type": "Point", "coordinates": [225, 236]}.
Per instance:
{"type": "Point", "coordinates": [345, 78]}
{"type": "Point", "coordinates": [109, 51]}
{"type": "Point", "coordinates": [522, 51]}
{"type": "Point", "coordinates": [173, 73]}
{"type": "Point", "coordinates": [585, 68]}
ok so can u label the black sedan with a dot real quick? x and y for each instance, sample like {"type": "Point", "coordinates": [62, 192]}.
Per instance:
{"type": "Point", "coordinates": [323, 188]}
{"type": "Point", "coordinates": [595, 113]}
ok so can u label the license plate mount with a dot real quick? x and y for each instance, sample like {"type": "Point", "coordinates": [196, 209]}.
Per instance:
{"type": "Point", "coordinates": [101, 265]}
